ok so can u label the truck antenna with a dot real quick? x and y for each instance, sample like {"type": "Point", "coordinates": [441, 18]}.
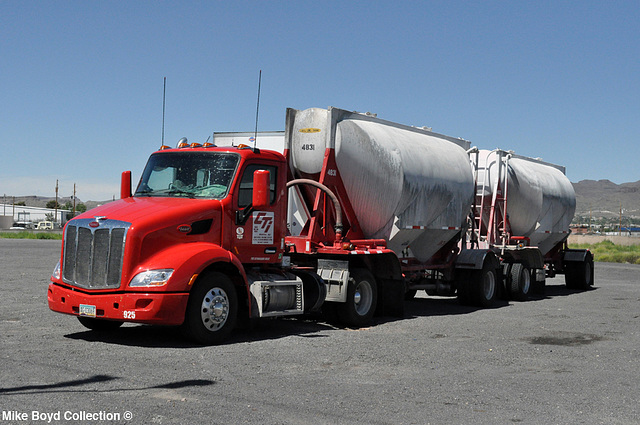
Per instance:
{"type": "Point", "coordinates": [255, 136]}
{"type": "Point", "coordinates": [164, 93]}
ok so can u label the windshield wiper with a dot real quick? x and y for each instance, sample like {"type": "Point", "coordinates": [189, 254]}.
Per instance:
{"type": "Point", "coordinates": [181, 192]}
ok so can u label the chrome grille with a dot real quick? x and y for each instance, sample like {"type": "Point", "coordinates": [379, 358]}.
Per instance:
{"type": "Point", "coordinates": [93, 255]}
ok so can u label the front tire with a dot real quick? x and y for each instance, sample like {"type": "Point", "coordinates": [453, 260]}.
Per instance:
{"type": "Point", "coordinates": [212, 310]}
{"type": "Point", "coordinates": [362, 297]}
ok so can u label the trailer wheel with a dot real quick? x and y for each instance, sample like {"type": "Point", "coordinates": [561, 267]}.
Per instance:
{"type": "Point", "coordinates": [579, 275]}
{"type": "Point", "coordinates": [484, 285]}
{"type": "Point", "coordinates": [362, 297]}
{"type": "Point", "coordinates": [99, 324]}
{"type": "Point", "coordinates": [519, 282]}
{"type": "Point", "coordinates": [211, 310]}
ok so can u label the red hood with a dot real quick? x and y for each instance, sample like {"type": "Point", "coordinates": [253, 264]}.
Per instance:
{"type": "Point", "coordinates": [142, 211]}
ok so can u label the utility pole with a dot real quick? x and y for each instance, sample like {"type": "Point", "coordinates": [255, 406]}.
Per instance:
{"type": "Point", "coordinates": [74, 200]}
{"type": "Point", "coordinates": [620, 224]}
{"type": "Point", "coordinates": [55, 214]}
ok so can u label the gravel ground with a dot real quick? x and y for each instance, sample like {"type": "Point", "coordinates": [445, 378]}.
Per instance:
{"type": "Point", "coordinates": [567, 357]}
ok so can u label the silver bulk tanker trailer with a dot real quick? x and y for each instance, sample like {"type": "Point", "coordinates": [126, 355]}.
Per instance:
{"type": "Point", "coordinates": [541, 201]}
{"type": "Point", "coordinates": [408, 186]}
{"type": "Point", "coordinates": [425, 212]}
{"type": "Point", "coordinates": [523, 209]}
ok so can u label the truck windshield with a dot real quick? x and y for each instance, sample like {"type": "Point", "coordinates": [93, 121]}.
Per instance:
{"type": "Point", "coordinates": [188, 174]}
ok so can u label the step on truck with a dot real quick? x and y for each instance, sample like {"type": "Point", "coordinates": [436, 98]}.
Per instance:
{"type": "Point", "coordinates": [207, 240]}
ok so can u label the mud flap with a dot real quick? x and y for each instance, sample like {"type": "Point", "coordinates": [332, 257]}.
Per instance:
{"type": "Point", "coordinates": [390, 298]}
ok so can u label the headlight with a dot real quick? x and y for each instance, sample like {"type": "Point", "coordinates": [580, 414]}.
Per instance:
{"type": "Point", "coordinates": [56, 272]}
{"type": "Point", "coordinates": [152, 278]}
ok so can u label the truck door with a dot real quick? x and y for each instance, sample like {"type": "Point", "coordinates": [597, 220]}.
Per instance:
{"type": "Point", "coordinates": [259, 239]}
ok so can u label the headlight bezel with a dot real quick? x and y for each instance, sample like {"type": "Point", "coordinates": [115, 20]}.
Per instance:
{"type": "Point", "coordinates": [151, 278]}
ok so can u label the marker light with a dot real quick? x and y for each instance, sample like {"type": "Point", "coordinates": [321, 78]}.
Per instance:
{"type": "Point", "coordinates": [56, 272]}
{"type": "Point", "coordinates": [152, 278]}
{"type": "Point", "coordinates": [208, 145]}
{"type": "Point", "coordinates": [195, 145]}
{"type": "Point", "coordinates": [182, 143]}
{"type": "Point", "coordinates": [163, 147]}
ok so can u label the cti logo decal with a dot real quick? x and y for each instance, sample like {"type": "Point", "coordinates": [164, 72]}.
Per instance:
{"type": "Point", "coordinates": [263, 225]}
{"type": "Point", "coordinates": [263, 221]}
{"type": "Point", "coordinates": [309, 130]}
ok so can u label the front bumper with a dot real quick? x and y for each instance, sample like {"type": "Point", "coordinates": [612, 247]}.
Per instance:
{"type": "Point", "coordinates": [137, 307]}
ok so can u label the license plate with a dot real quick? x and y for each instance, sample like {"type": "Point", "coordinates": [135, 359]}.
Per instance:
{"type": "Point", "coordinates": [87, 310]}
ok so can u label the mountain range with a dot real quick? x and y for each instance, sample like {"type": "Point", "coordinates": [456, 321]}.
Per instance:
{"type": "Point", "coordinates": [601, 198]}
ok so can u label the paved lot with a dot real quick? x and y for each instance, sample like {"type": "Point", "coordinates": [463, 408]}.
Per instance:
{"type": "Point", "coordinates": [566, 358]}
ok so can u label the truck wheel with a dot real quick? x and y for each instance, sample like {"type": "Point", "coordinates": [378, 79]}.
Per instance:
{"type": "Point", "coordinates": [211, 310]}
{"type": "Point", "coordinates": [99, 324]}
{"type": "Point", "coordinates": [519, 282]}
{"type": "Point", "coordinates": [484, 285]}
{"type": "Point", "coordinates": [362, 297]}
{"type": "Point", "coordinates": [579, 275]}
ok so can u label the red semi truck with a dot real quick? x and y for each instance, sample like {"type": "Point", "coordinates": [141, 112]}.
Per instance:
{"type": "Point", "coordinates": [203, 242]}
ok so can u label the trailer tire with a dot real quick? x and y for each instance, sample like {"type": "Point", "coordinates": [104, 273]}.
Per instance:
{"type": "Point", "coordinates": [519, 282]}
{"type": "Point", "coordinates": [362, 298]}
{"type": "Point", "coordinates": [579, 275]}
{"type": "Point", "coordinates": [212, 310]}
{"type": "Point", "coordinates": [484, 285]}
{"type": "Point", "coordinates": [99, 325]}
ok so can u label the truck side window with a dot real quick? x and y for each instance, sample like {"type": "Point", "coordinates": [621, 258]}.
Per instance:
{"type": "Point", "coordinates": [245, 193]}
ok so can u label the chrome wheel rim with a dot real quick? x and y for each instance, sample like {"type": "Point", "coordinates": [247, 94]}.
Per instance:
{"type": "Point", "coordinates": [215, 309]}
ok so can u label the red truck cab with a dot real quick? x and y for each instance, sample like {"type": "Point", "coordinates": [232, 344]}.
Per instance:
{"type": "Point", "coordinates": [138, 258]}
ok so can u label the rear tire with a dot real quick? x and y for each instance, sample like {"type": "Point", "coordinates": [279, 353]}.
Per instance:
{"type": "Point", "coordinates": [362, 298]}
{"type": "Point", "coordinates": [484, 285]}
{"type": "Point", "coordinates": [211, 310]}
{"type": "Point", "coordinates": [519, 282]}
{"type": "Point", "coordinates": [579, 275]}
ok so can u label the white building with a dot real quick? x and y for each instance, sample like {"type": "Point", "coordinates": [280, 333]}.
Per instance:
{"type": "Point", "coordinates": [10, 214]}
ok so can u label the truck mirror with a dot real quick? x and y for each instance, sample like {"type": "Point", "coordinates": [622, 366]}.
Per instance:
{"type": "Point", "coordinates": [261, 179]}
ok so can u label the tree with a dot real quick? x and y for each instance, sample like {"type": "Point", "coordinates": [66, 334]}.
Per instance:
{"type": "Point", "coordinates": [81, 208]}
{"type": "Point", "coordinates": [53, 204]}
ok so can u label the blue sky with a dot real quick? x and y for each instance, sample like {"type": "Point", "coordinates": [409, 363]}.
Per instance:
{"type": "Point", "coordinates": [81, 82]}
